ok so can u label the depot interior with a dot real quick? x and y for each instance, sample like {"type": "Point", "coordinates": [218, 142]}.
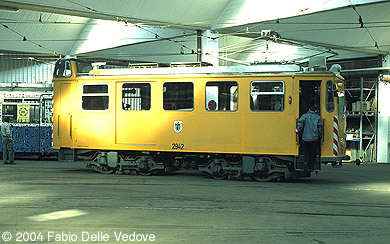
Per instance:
{"type": "Point", "coordinates": [352, 33]}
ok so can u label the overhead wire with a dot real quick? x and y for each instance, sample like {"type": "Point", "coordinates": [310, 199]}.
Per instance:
{"type": "Point", "coordinates": [157, 36]}
{"type": "Point", "coordinates": [34, 21]}
{"type": "Point", "coordinates": [84, 6]}
{"type": "Point", "coordinates": [25, 39]}
{"type": "Point", "coordinates": [385, 24]}
{"type": "Point", "coordinates": [362, 25]}
{"type": "Point", "coordinates": [365, 25]}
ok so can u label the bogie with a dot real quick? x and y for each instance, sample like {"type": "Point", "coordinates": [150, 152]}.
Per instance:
{"type": "Point", "coordinates": [217, 166]}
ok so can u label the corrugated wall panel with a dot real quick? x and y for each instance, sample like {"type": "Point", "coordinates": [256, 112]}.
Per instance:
{"type": "Point", "coordinates": [14, 68]}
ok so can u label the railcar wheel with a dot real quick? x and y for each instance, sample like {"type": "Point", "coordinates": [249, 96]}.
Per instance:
{"type": "Point", "coordinates": [145, 173]}
{"type": "Point", "coordinates": [268, 164]}
{"type": "Point", "coordinates": [220, 177]}
{"type": "Point", "coordinates": [100, 164]}
{"type": "Point", "coordinates": [269, 177]}
{"type": "Point", "coordinates": [263, 178]}
{"type": "Point", "coordinates": [217, 170]}
{"type": "Point", "coordinates": [103, 170]}
{"type": "Point", "coordinates": [144, 166]}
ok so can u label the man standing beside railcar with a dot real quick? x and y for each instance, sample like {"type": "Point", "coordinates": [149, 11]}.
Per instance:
{"type": "Point", "coordinates": [8, 143]}
{"type": "Point", "coordinates": [311, 124]}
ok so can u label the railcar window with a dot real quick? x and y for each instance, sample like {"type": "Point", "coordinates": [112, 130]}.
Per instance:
{"type": "Point", "coordinates": [267, 96]}
{"type": "Point", "coordinates": [341, 104]}
{"type": "Point", "coordinates": [178, 96]}
{"type": "Point", "coordinates": [135, 96]}
{"type": "Point", "coordinates": [62, 69]}
{"type": "Point", "coordinates": [330, 89]}
{"type": "Point", "coordinates": [83, 67]}
{"type": "Point", "coordinates": [10, 111]}
{"type": "Point", "coordinates": [22, 113]}
{"type": "Point", "coordinates": [341, 98]}
{"type": "Point", "coordinates": [95, 97]}
{"type": "Point", "coordinates": [222, 96]}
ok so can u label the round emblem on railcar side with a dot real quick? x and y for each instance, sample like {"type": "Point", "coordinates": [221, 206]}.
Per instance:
{"type": "Point", "coordinates": [212, 105]}
{"type": "Point", "coordinates": [177, 126]}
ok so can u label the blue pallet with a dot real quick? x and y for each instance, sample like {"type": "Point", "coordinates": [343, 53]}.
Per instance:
{"type": "Point", "coordinates": [31, 139]}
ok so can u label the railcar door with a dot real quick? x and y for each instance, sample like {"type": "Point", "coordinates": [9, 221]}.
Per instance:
{"type": "Point", "coordinates": [135, 116]}
{"type": "Point", "coordinates": [309, 95]}
{"type": "Point", "coordinates": [65, 116]}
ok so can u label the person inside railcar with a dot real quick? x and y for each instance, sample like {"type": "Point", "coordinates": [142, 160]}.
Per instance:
{"type": "Point", "coordinates": [311, 124]}
{"type": "Point", "coordinates": [8, 143]}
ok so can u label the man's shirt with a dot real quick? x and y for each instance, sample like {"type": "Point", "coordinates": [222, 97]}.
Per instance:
{"type": "Point", "coordinates": [6, 130]}
{"type": "Point", "coordinates": [312, 126]}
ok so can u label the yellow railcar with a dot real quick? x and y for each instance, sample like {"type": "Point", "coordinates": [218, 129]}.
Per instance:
{"type": "Point", "coordinates": [226, 121]}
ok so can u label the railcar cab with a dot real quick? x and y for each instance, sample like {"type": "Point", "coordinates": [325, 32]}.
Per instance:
{"type": "Point", "coordinates": [70, 68]}
{"type": "Point", "coordinates": [64, 88]}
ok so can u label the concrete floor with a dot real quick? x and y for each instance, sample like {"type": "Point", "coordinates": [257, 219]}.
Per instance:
{"type": "Point", "coordinates": [49, 201]}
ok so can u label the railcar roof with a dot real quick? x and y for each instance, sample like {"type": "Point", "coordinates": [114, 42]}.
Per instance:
{"type": "Point", "coordinates": [222, 70]}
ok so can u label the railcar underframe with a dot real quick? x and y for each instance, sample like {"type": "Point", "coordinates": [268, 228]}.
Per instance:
{"type": "Point", "coordinates": [219, 166]}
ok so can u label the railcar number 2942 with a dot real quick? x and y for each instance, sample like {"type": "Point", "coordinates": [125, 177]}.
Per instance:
{"type": "Point", "coordinates": [178, 146]}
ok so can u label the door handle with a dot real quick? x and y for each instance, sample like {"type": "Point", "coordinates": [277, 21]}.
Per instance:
{"type": "Point", "coordinates": [58, 126]}
{"type": "Point", "coordinates": [70, 125]}
{"type": "Point", "coordinates": [323, 131]}
{"type": "Point", "coordinates": [296, 133]}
